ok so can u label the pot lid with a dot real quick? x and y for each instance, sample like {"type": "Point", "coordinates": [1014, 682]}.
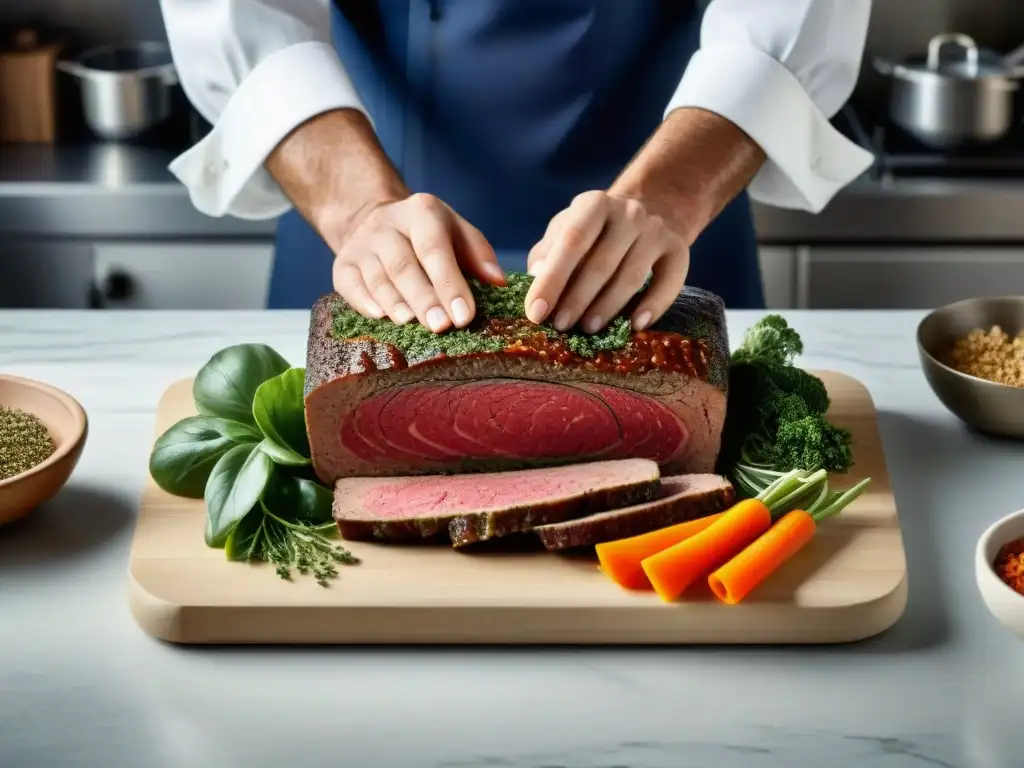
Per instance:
{"type": "Point", "coordinates": [943, 58]}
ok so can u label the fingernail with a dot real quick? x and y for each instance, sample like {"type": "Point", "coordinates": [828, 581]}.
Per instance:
{"type": "Point", "coordinates": [402, 313]}
{"type": "Point", "coordinates": [562, 320]}
{"type": "Point", "coordinates": [538, 311]}
{"type": "Point", "coordinates": [642, 320]}
{"type": "Point", "coordinates": [592, 324]}
{"type": "Point", "coordinates": [374, 309]}
{"type": "Point", "coordinates": [460, 311]}
{"type": "Point", "coordinates": [436, 318]}
{"type": "Point", "coordinates": [494, 270]}
{"type": "Point", "coordinates": [534, 269]}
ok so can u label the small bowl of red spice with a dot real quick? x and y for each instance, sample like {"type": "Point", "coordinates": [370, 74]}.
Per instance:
{"type": "Point", "coordinates": [999, 569]}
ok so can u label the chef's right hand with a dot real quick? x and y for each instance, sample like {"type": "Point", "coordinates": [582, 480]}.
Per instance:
{"type": "Point", "coordinates": [406, 258]}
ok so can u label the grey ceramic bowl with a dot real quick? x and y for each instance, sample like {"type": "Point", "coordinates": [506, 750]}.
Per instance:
{"type": "Point", "coordinates": [995, 409]}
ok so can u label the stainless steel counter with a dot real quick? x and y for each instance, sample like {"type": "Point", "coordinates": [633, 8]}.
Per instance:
{"type": "Point", "coordinates": [124, 191]}
{"type": "Point", "coordinates": [103, 191]}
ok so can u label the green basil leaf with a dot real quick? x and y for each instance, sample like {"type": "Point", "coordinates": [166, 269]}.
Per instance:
{"type": "Point", "coordinates": [185, 454]}
{"type": "Point", "coordinates": [282, 455]}
{"type": "Point", "coordinates": [227, 384]}
{"type": "Point", "coordinates": [294, 499]}
{"type": "Point", "coordinates": [279, 409]}
{"type": "Point", "coordinates": [245, 542]}
{"type": "Point", "coordinates": [235, 486]}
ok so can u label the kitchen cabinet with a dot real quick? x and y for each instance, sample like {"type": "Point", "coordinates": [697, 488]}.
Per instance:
{"type": "Point", "coordinates": [905, 278]}
{"type": "Point", "coordinates": [778, 276]}
{"type": "Point", "coordinates": [145, 274]}
{"type": "Point", "coordinates": [191, 275]}
{"type": "Point", "coordinates": [45, 274]}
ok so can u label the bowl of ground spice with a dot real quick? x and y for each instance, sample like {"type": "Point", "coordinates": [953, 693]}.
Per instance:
{"type": "Point", "coordinates": [972, 353]}
{"type": "Point", "coordinates": [999, 569]}
{"type": "Point", "coordinates": [42, 433]}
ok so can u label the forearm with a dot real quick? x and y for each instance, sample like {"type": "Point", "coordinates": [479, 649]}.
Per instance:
{"type": "Point", "coordinates": [256, 70]}
{"type": "Point", "coordinates": [779, 71]}
{"type": "Point", "coordinates": [692, 166]}
{"type": "Point", "coordinates": [333, 169]}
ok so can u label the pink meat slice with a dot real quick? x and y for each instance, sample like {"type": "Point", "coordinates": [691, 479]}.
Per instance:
{"type": "Point", "coordinates": [368, 427]}
{"type": "Point", "coordinates": [649, 429]}
{"type": "Point", "coordinates": [405, 416]}
{"type": "Point", "coordinates": [441, 495]}
{"type": "Point", "coordinates": [517, 419]}
{"type": "Point", "coordinates": [354, 442]}
{"type": "Point", "coordinates": [436, 426]}
{"type": "Point", "coordinates": [534, 420]}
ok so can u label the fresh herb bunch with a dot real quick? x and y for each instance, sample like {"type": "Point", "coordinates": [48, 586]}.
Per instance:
{"type": "Point", "coordinates": [776, 413]}
{"type": "Point", "coordinates": [247, 455]}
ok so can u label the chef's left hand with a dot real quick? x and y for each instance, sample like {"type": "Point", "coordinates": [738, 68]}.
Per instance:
{"type": "Point", "coordinates": [595, 256]}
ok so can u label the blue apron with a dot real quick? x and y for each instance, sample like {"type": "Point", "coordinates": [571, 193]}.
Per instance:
{"type": "Point", "coordinates": [507, 109]}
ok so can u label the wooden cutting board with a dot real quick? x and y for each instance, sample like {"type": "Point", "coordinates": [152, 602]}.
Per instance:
{"type": "Point", "coordinates": [849, 583]}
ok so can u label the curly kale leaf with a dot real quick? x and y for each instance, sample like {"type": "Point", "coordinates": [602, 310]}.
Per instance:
{"type": "Point", "coordinates": [811, 443]}
{"type": "Point", "coordinates": [776, 410]}
{"type": "Point", "coordinates": [770, 340]}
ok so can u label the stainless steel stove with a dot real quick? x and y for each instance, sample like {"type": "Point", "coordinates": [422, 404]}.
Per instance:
{"type": "Point", "coordinates": [899, 155]}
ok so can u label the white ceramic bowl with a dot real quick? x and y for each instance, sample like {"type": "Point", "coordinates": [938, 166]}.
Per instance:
{"type": "Point", "coordinates": [1004, 603]}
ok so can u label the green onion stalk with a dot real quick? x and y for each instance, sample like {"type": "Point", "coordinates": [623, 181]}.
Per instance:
{"type": "Point", "coordinates": [783, 492]}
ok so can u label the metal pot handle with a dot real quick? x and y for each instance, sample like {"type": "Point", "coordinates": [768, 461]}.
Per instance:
{"type": "Point", "coordinates": [937, 43]}
{"type": "Point", "coordinates": [883, 66]}
{"type": "Point", "coordinates": [70, 67]}
{"type": "Point", "coordinates": [169, 74]}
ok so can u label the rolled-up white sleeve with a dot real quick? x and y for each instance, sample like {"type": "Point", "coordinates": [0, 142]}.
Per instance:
{"type": "Point", "coordinates": [255, 70]}
{"type": "Point", "coordinates": [779, 70]}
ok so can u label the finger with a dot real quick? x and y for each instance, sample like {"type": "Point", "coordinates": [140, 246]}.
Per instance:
{"type": "Point", "coordinates": [535, 258]}
{"type": "Point", "coordinates": [577, 233]}
{"type": "Point", "coordinates": [669, 278]}
{"type": "Point", "coordinates": [383, 291]}
{"type": "Point", "coordinates": [623, 232]}
{"type": "Point", "coordinates": [474, 253]}
{"type": "Point", "coordinates": [648, 250]}
{"type": "Point", "coordinates": [431, 238]}
{"type": "Point", "coordinates": [397, 255]}
{"type": "Point", "coordinates": [348, 282]}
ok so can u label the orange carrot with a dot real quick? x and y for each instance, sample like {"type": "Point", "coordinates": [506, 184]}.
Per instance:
{"type": "Point", "coordinates": [674, 569]}
{"type": "Point", "coordinates": [734, 580]}
{"type": "Point", "coordinates": [621, 559]}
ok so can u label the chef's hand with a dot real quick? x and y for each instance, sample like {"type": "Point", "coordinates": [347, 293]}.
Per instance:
{"type": "Point", "coordinates": [595, 256]}
{"type": "Point", "coordinates": [405, 258]}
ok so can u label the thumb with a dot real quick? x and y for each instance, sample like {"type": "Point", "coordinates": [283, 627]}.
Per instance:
{"type": "Point", "coordinates": [475, 254]}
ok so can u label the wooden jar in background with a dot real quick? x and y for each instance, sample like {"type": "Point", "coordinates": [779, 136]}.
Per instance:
{"type": "Point", "coordinates": [28, 88]}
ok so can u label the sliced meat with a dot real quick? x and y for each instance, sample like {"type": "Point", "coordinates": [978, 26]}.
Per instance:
{"type": "Point", "coordinates": [371, 412]}
{"type": "Point", "coordinates": [680, 498]}
{"type": "Point", "coordinates": [535, 420]}
{"type": "Point", "coordinates": [423, 507]}
{"type": "Point", "coordinates": [406, 421]}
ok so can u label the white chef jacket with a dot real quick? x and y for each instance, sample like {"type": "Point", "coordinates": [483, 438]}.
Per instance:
{"type": "Point", "coordinates": [257, 69]}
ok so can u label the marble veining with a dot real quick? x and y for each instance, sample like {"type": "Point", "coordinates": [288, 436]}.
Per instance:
{"type": "Point", "coordinates": [81, 685]}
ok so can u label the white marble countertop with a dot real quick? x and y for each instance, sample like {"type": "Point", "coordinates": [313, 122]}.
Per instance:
{"type": "Point", "coordinates": [81, 685]}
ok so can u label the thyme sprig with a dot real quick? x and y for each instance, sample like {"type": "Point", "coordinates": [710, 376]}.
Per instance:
{"type": "Point", "coordinates": [305, 548]}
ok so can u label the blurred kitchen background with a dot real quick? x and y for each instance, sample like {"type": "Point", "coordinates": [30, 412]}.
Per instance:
{"type": "Point", "coordinates": [93, 222]}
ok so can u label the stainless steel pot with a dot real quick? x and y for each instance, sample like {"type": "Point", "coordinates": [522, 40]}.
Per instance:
{"type": "Point", "coordinates": [126, 90]}
{"type": "Point", "coordinates": [946, 103]}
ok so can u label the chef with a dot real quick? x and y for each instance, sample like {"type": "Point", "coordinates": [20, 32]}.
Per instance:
{"type": "Point", "coordinates": [408, 144]}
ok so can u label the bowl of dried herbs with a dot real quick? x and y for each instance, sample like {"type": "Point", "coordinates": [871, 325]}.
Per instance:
{"type": "Point", "coordinates": [42, 433]}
